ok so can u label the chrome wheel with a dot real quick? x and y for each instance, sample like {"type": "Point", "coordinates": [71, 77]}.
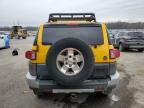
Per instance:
{"type": "Point", "coordinates": [70, 61]}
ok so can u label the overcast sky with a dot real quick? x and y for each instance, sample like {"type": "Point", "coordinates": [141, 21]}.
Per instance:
{"type": "Point", "coordinates": [34, 12]}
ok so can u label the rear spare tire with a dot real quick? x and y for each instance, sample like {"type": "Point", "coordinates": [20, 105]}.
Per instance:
{"type": "Point", "coordinates": [70, 61]}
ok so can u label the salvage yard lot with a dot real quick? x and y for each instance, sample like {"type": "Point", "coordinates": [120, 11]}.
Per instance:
{"type": "Point", "coordinates": [14, 92]}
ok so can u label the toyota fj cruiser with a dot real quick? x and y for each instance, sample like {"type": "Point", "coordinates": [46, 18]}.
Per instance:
{"type": "Point", "coordinates": [72, 53]}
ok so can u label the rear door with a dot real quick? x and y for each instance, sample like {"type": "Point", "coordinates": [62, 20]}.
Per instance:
{"type": "Point", "coordinates": [93, 35]}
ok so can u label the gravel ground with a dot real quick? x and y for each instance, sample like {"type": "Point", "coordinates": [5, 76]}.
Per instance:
{"type": "Point", "coordinates": [14, 92]}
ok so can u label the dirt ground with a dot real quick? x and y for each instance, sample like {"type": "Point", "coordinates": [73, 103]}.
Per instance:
{"type": "Point", "coordinates": [14, 91]}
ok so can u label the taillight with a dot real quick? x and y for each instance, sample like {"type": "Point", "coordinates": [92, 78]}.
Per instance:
{"type": "Point", "coordinates": [30, 55]}
{"type": "Point", "coordinates": [114, 53]}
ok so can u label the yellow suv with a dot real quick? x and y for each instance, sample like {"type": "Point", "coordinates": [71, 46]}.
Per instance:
{"type": "Point", "coordinates": [72, 53]}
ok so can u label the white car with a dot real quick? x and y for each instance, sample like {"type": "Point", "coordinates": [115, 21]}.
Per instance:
{"type": "Point", "coordinates": [2, 42]}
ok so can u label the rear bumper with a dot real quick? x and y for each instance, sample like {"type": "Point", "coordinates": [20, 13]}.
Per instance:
{"type": "Point", "coordinates": [86, 86]}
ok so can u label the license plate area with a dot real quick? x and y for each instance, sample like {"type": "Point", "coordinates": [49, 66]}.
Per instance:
{"type": "Point", "coordinates": [73, 90]}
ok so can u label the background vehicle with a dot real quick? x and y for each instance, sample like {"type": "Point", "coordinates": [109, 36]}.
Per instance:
{"type": "Point", "coordinates": [72, 54]}
{"type": "Point", "coordinates": [129, 40]}
{"type": "Point", "coordinates": [5, 41]}
{"type": "Point", "coordinates": [18, 32]}
{"type": "Point", "coordinates": [2, 42]}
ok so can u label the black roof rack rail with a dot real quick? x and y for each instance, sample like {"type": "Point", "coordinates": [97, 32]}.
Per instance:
{"type": "Point", "coordinates": [71, 16]}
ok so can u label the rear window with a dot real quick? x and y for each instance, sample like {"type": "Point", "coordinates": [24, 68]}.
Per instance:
{"type": "Point", "coordinates": [135, 34]}
{"type": "Point", "coordinates": [90, 35]}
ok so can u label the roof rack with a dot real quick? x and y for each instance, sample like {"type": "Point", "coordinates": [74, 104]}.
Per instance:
{"type": "Point", "coordinates": [53, 17]}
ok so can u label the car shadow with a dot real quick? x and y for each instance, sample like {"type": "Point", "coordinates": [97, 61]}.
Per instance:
{"type": "Point", "coordinates": [82, 101]}
{"type": "Point", "coordinates": [2, 48]}
{"type": "Point", "coordinates": [133, 51]}
{"type": "Point", "coordinates": [121, 97]}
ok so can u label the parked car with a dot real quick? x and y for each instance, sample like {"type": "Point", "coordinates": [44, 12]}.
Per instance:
{"type": "Point", "coordinates": [128, 40]}
{"type": "Point", "coordinates": [2, 42]}
{"type": "Point", "coordinates": [72, 54]}
{"type": "Point", "coordinates": [5, 40]}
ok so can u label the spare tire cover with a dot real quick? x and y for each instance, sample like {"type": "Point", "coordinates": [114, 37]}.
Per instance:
{"type": "Point", "coordinates": [70, 61]}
